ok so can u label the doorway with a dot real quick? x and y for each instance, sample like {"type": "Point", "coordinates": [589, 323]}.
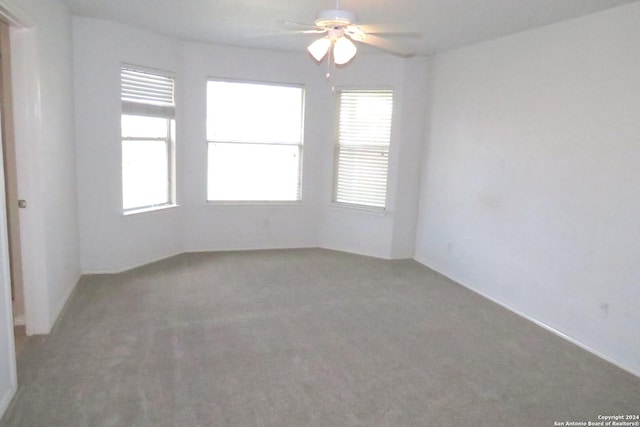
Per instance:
{"type": "Point", "coordinates": [11, 187]}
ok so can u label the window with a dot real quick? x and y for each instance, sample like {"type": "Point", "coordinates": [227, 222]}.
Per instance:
{"type": "Point", "coordinates": [254, 134]}
{"type": "Point", "coordinates": [362, 150]}
{"type": "Point", "coordinates": [147, 125]}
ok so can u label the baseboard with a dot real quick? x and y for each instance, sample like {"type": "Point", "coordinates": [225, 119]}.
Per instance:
{"type": "Point", "coordinates": [19, 320]}
{"type": "Point", "coordinates": [249, 248]}
{"type": "Point", "coordinates": [132, 265]}
{"type": "Point", "coordinates": [354, 252]}
{"type": "Point", "coordinates": [6, 400]}
{"type": "Point", "coordinates": [532, 319]}
{"type": "Point", "coordinates": [59, 309]}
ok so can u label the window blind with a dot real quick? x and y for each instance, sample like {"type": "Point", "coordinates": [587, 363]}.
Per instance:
{"type": "Point", "coordinates": [147, 93]}
{"type": "Point", "coordinates": [362, 153]}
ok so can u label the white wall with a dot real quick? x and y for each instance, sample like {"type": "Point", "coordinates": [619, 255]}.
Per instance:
{"type": "Point", "coordinates": [113, 242]}
{"type": "Point", "coordinates": [43, 104]}
{"type": "Point", "coordinates": [43, 109]}
{"type": "Point", "coordinates": [109, 240]}
{"type": "Point", "coordinates": [415, 98]}
{"type": "Point", "coordinates": [253, 226]}
{"type": "Point", "coordinates": [388, 234]}
{"type": "Point", "coordinates": [531, 184]}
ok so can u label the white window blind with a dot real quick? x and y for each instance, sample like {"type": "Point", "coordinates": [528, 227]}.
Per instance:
{"type": "Point", "coordinates": [255, 139]}
{"type": "Point", "coordinates": [362, 151]}
{"type": "Point", "coordinates": [147, 93]}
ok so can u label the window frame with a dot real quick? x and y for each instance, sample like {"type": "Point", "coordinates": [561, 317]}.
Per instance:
{"type": "Point", "coordinates": [165, 112]}
{"type": "Point", "coordinates": [299, 145]}
{"type": "Point", "coordinates": [379, 210]}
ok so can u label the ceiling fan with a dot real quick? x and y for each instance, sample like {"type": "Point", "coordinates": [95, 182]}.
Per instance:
{"type": "Point", "coordinates": [340, 30]}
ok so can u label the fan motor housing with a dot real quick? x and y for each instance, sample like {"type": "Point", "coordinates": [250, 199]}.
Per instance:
{"type": "Point", "coordinates": [335, 18]}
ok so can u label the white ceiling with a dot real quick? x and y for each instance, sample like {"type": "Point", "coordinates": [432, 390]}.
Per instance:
{"type": "Point", "coordinates": [444, 24]}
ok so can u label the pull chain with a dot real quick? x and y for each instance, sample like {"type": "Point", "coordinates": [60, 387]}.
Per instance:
{"type": "Point", "coordinates": [328, 75]}
{"type": "Point", "coordinates": [331, 66]}
{"type": "Point", "coordinates": [331, 63]}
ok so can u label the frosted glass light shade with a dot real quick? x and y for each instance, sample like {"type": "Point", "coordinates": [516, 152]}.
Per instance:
{"type": "Point", "coordinates": [319, 48]}
{"type": "Point", "coordinates": [343, 50]}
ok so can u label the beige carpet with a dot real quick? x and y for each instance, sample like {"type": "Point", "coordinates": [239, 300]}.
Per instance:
{"type": "Point", "coordinates": [303, 338]}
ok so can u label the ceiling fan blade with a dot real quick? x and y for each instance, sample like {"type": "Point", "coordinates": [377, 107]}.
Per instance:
{"type": "Point", "coordinates": [286, 33]}
{"type": "Point", "coordinates": [298, 25]}
{"type": "Point", "coordinates": [400, 30]}
{"type": "Point", "coordinates": [399, 34]}
{"type": "Point", "coordinates": [388, 45]}
{"type": "Point", "coordinates": [316, 31]}
{"type": "Point", "coordinates": [357, 33]}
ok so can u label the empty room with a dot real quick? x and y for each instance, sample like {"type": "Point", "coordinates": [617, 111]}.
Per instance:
{"type": "Point", "coordinates": [320, 213]}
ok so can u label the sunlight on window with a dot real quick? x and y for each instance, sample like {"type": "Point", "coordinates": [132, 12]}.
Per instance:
{"type": "Point", "coordinates": [145, 174]}
{"type": "Point", "coordinates": [143, 127]}
{"type": "Point", "coordinates": [245, 112]}
{"type": "Point", "coordinates": [255, 141]}
{"type": "Point", "coordinates": [253, 172]}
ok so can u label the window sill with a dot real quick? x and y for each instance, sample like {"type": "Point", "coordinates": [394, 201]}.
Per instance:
{"type": "Point", "coordinates": [358, 209]}
{"type": "Point", "coordinates": [149, 210]}
{"type": "Point", "coordinates": [236, 203]}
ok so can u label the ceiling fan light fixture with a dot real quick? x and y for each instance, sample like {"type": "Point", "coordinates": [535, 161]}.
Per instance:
{"type": "Point", "coordinates": [343, 50]}
{"type": "Point", "coordinates": [319, 48]}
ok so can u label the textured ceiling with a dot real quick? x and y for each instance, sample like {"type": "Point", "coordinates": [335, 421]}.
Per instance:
{"type": "Point", "coordinates": [443, 24]}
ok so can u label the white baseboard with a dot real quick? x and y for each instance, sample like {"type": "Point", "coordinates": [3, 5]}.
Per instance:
{"type": "Point", "coordinates": [142, 263]}
{"type": "Point", "coordinates": [354, 252]}
{"type": "Point", "coordinates": [530, 318]}
{"type": "Point", "coordinates": [55, 314]}
{"type": "Point", "coordinates": [132, 265]}
{"type": "Point", "coordinates": [249, 248]}
{"type": "Point", "coordinates": [19, 320]}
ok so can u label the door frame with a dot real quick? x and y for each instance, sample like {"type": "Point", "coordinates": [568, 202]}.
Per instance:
{"type": "Point", "coordinates": [11, 176]}
{"type": "Point", "coordinates": [5, 297]}
{"type": "Point", "coordinates": [28, 136]}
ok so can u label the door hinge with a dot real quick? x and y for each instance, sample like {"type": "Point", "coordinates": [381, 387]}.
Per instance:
{"type": "Point", "coordinates": [22, 204]}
